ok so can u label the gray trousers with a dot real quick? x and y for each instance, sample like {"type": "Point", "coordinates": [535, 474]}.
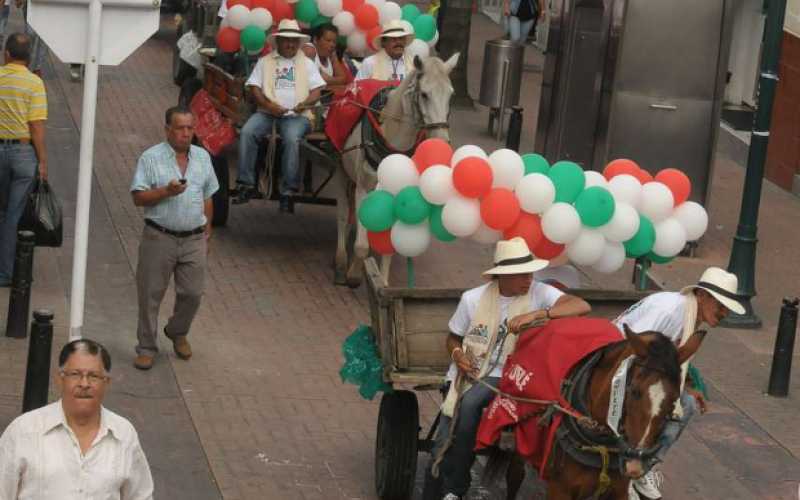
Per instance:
{"type": "Point", "coordinates": [160, 256]}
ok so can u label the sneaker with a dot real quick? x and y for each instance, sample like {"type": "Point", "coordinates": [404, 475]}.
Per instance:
{"type": "Point", "coordinates": [451, 496]}
{"type": "Point", "coordinates": [143, 362]}
{"type": "Point", "coordinates": [649, 485]}
{"type": "Point", "coordinates": [244, 194]}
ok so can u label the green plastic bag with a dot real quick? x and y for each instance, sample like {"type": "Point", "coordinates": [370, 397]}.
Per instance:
{"type": "Point", "coordinates": [362, 363]}
{"type": "Point", "coordinates": [698, 383]}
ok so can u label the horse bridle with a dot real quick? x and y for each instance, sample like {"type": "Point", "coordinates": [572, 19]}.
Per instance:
{"type": "Point", "coordinates": [419, 117]}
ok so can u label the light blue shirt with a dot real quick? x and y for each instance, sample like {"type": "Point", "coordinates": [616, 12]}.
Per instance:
{"type": "Point", "coordinates": [157, 166]}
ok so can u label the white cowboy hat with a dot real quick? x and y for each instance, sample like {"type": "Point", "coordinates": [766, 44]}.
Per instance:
{"type": "Point", "coordinates": [396, 28]}
{"type": "Point", "coordinates": [722, 285]}
{"type": "Point", "coordinates": [513, 257]}
{"type": "Point", "coordinates": [288, 28]}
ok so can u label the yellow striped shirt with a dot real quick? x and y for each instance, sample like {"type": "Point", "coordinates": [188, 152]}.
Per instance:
{"type": "Point", "coordinates": [22, 100]}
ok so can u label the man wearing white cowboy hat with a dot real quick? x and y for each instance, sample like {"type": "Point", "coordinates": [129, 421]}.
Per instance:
{"type": "Point", "coordinates": [390, 62]}
{"type": "Point", "coordinates": [284, 84]}
{"type": "Point", "coordinates": [479, 344]}
{"type": "Point", "coordinates": [677, 315]}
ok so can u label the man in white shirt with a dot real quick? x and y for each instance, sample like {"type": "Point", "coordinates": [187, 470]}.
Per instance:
{"type": "Point", "coordinates": [482, 335]}
{"type": "Point", "coordinates": [391, 63]}
{"type": "Point", "coordinates": [75, 449]}
{"type": "Point", "coordinates": [285, 84]}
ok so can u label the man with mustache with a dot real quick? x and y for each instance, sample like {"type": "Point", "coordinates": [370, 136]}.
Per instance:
{"type": "Point", "coordinates": [75, 448]}
{"type": "Point", "coordinates": [391, 63]}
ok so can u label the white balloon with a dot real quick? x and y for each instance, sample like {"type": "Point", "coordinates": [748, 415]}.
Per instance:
{"type": "Point", "coordinates": [561, 223]}
{"type": "Point", "coordinates": [461, 216]}
{"type": "Point", "coordinates": [224, 23]}
{"type": "Point", "coordinates": [587, 248]}
{"type": "Point", "coordinates": [486, 235]}
{"type": "Point", "coordinates": [396, 172]}
{"type": "Point", "coordinates": [261, 17]}
{"type": "Point", "coordinates": [657, 202]}
{"type": "Point", "coordinates": [418, 48]}
{"type": "Point", "coordinates": [626, 189]}
{"type": "Point", "coordinates": [466, 152]}
{"type": "Point", "coordinates": [345, 22]}
{"type": "Point", "coordinates": [238, 17]}
{"type": "Point", "coordinates": [623, 224]}
{"type": "Point", "coordinates": [613, 258]}
{"type": "Point", "coordinates": [507, 168]}
{"type": "Point", "coordinates": [694, 219]}
{"type": "Point", "coordinates": [594, 178]}
{"type": "Point", "coordinates": [535, 193]}
{"type": "Point", "coordinates": [377, 3]}
{"type": "Point", "coordinates": [357, 43]}
{"type": "Point", "coordinates": [436, 184]}
{"type": "Point", "coordinates": [670, 238]}
{"type": "Point", "coordinates": [389, 11]}
{"type": "Point", "coordinates": [410, 240]}
{"type": "Point", "coordinates": [433, 41]}
{"type": "Point", "coordinates": [329, 7]}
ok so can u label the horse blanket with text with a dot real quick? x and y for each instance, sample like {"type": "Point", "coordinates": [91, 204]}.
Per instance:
{"type": "Point", "coordinates": [347, 109]}
{"type": "Point", "coordinates": [543, 358]}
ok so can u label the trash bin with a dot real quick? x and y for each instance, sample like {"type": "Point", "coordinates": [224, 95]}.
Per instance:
{"type": "Point", "coordinates": [501, 77]}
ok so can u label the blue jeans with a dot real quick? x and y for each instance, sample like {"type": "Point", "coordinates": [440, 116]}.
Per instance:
{"type": "Point", "coordinates": [674, 428]}
{"type": "Point", "coordinates": [18, 164]}
{"type": "Point", "coordinates": [518, 30]}
{"type": "Point", "coordinates": [292, 129]}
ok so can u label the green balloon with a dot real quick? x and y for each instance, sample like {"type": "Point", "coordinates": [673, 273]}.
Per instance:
{"type": "Point", "coordinates": [306, 11]}
{"type": "Point", "coordinates": [437, 228]}
{"type": "Point", "coordinates": [410, 12]}
{"type": "Point", "coordinates": [253, 38]}
{"type": "Point", "coordinates": [320, 20]}
{"type": "Point", "coordinates": [595, 205]}
{"type": "Point", "coordinates": [642, 242]}
{"type": "Point", "coordinates": [657, 259]}
{"type": "Point", "coordinates": [535, 164]}
{"type": "Point", "coordinates": [410, 206]}
{"type": "Point", "coordinates": [425, 27]}
{"type": "Point", "coordinates": [376, 212]}
{"type": "Point", "coordinates": [341, 41]}
{"type": "Point", "coordinates": [569, 179]}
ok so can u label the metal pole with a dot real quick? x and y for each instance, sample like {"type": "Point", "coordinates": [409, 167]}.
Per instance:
{"type": "Point", "coordinates": [503, 92]}
{"type": "Point", "coordinates": [37, 373]}
{"type": "Point", "coordinates": [88, 109]}
{"type": "Point", "coordinates": [743, 255]}
{"type": "Point", "coordinates": [781, 371]}
{"type": "Point", "coordinates": [19, 301]}
{"type": "Point", "coordinates": [514, 128]}
{"type": "Point", "coordinates": [640, 279]}
{"type": "Point", "coordinates": [410, 277]}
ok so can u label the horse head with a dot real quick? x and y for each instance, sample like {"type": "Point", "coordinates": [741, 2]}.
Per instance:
{"type": "Point", "coordinates": [427, 96]}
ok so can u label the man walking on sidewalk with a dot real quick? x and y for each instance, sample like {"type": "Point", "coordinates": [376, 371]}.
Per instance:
{"type": "Point", "coordinates": [174, 181]}
{"type": "Point", "coordinates": [23, 112]}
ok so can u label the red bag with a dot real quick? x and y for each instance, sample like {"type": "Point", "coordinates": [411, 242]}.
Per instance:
{"type": "Point", "coordinates": [212, 129]}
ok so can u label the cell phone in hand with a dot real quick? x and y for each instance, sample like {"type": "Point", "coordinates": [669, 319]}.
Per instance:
{"type": "Point", "coordinates": [182, 181]}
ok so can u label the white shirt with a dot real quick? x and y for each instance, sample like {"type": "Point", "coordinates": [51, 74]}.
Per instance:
{"type": "Point", "coordinates": [40, 459]}
{"type": "Point", "coordinates": [368, 66]}
{"type": "Point", "coordinates": [284, 79]}
{"type": "Point", "coordinates": [541, 296]}
{"type": "Point", "coordinates": [223, 10]}
{"type": "Point", "coordinates": [661, 312]}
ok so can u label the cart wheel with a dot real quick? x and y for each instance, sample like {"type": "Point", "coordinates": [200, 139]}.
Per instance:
{"type": "Point", "coordinates": [181, 70]}
{"type": "Point", "coordinates": [396, 445]}
{"type": "Point", "coordinates": [220, 198]}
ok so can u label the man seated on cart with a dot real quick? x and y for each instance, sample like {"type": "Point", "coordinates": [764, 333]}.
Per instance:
{"type": "Point", "coordinates": [483, 334]}
{"type": "Point", "coordinates": [285, 84]}
{"type": "Point", "coordinates": [391, 63]}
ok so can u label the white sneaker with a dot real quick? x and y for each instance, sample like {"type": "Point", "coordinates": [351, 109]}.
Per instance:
{"type": "Point", "coordinates": [451, 496]}
{"type": "Point", "coordinates": [649, 485]}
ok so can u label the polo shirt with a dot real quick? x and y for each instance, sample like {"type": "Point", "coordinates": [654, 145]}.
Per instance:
{"type": "Point", "coordinates": [22, 100]}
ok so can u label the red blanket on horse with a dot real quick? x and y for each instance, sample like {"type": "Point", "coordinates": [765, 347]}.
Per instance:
{"type": "Point", "coordinates": [347, 109]}
{"type": "Point", "coordinates": [542, 359]}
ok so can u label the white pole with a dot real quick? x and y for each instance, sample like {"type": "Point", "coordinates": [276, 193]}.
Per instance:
{"type": "Point", "coordinates": [88, 108]}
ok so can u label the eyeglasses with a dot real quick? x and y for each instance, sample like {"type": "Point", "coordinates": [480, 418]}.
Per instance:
{"type": "Point", "coordinates": [77, 376]}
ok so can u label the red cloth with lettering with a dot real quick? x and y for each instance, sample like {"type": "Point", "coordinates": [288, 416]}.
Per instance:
{"type": "Point", "coordinates": [213, 130]}
{"type": "Point", "coordinates": [345, 111]}
{"type": "Point", "coordinates": [543, 357]}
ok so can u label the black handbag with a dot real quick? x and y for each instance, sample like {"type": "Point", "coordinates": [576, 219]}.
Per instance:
{"type": "Point", "coordinates": [43, 216]}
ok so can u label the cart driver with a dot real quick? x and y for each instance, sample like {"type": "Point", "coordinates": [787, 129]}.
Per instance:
{"type": "Point", "coordinates": [391, 63]}
{"type": "Point", "coordinates": [483, 333]}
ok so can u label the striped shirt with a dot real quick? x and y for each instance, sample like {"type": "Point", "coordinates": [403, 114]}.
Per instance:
{"type": "Point", "coordinates": [157, 166]}
{"type": "Point", "coordinates": [22, 100]}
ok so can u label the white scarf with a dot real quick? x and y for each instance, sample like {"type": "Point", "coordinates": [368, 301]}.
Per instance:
{"type": "Point", "coordinates": [382, 69]}
{"type": "Point", "coordinates": [689, 323]}
{"type": "Point", "coordinates": [301, 90]}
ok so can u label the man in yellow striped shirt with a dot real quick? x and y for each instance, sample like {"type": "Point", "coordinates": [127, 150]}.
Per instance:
{"type": "Point", "coordinates": [23, 113]}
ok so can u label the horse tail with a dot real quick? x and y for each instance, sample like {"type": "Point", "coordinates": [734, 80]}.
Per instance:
{"type": "Point", "coordinates": [497, 464]}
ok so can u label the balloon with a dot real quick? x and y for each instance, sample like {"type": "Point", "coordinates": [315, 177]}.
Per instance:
{"type": "Point", "coordinates": [261, 18]}
{"type": "Point", "coordinates": [376, 212]}
{"type": "Point", "coordinates": [410, 12]}
{"type": "Point", "coordinates": [465, 152]}
{"type": "Point", "coordinates": [670, 238]}
{"type": "Point", "coordinates": [397, 171]}
{"type": "Point", "coordinates": [352, 5]}
{"type": "Point", "coordinates": [432, 43]}
{"type": "Point", "coordinates": [507, 168]}
{"type": "Point", "coordinates": [268, 5]}
{"type": "Point", "coordinates": [486, 235]}
{"type": "Point", "coordinates": [306, 10]}
{"type": "Point", "coordinates": [461, 216]}
{"type": "Point", "coordinates": [238, 16]}
{"type": "Point", "coordinates": [253, 38]}
{"type": "Point", "coordinates": [320, 20]}
{"type": "Point", "coordinates": [381, 242]}
{"type": "Point", "coordinates": [424, 27]}
{"type": "Point", "coordinates": [657, 201]}
{"type": "Point", "coordinates": [390, 11]}
{"type": "Point", "coordinates": [282, 10]}
{"type": "Point", "coordinates": [677, 182]}
{"type": "Point", "coordinates": [642, 241]}
{"type": "Point", "coordinates": [377, 3]}
{"type": "Point", "coordinates": [620, 166]}
{"type": "Point", "coordinates": [410, 207]}
{"type": "Point", "coordinates": [228, 40]}
{"type": "Point", "coordinates": [561, 223]}
{"type": "Point", "coordinates": [626, 189]}
{"type": "Point", "coordinates": [436, 184]}
{"type": "Point", "coordinates": [345, 22]}
{"type": "Point", "coordinates": [367, 17]}
{"type": "Point", "coordinates": [643, 176]}
{"type": "Point", "coordinates": [232, 3]}
{"type": "Point", "coordinates": [500, 209]}
{"type": "Point", "coordinates": [535, 193]}
{"type": "Point", "coordinates": [535, 163]}
{"type": "Point", "coordinates": [329, 7]}
{"type": "Point", "coordinates": [623, 224]}
{"type": "Point", "coordinates": [357, 43]}
{"type": "Point", "coordinates": [418, 48]}
{"type": "Point", "coordinates": [472, 177]}
{"type": "Point", "coordinates": [411, 240]}
{"type": "Point", "coordinates": [546, 249]}
{"type": "Point", "coordinates": [694, 219]}
{"type": "Point", "coordinates": [612, 259]}
{"type": "Point", "coordinates": [595, 206]}
{"type": "Point", "coordinates": [372, 36]}
{"type": "Point", "coordinates": [528, 227]}
{"type": "Point", "coordinates": [568, 179]}
{"type": "Point", "coordinates": [587, 248]}
{"type": "Point", "coordinates": [432, 152]}
{"type": "Point", "coordinates": [595, 179]}
{"type": "Point", "coordinates": [437, 228]}
{"type": "Point", "coordinates": [659, 259]}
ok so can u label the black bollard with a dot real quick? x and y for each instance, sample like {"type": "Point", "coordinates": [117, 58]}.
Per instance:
{"type": "Point", "coordinates": [19, 302]}
{"type": "Point", "coordinates": [514, 128]}
{"type": "Point", "coordinates": [37, 374]}
{"type": "Point", "coordinates": [781, 371]}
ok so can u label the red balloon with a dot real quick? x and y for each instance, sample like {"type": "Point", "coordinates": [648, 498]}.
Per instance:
{"type": "Point", "coordinates": [500, 209]}
{"type": "Point", "coordinates": [432, 152]}
{"type": "Point", "coordinates": [228, 39]}
{"type": "Point", "coordinates": [621, 166]}
{"type": "Point", "coordinates": [472, 177]}
{"type": "Point", "coordinates": [246, 3]}
{"type": "Point", "coordinates": [352, 5]}
{"type": "Point", "coordinates": [264, 4]}
{"type": "Point", "coordinates": [280, 11]}
{"type": "Point", "coordinates": [546, 249]}
{"type": "Point", "coordinates": [366, 17]}
{"type": "Point", "coordinates": [381, 242]}
{"type": "Point", "coordinates": [644, 176]}
{"type": "Point", "coordinates": [528, 227]}
{"type": "Point", "coordinates": [371, 36]}
{"type": "Point", "coordinates": [677, 182]}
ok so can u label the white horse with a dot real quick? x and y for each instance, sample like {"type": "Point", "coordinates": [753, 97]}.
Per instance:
{"type": "Point", "coordinates": [420, 103]}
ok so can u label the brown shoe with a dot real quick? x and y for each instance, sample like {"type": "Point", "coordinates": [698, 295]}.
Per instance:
{"type": "Point", "coordinates": [181, 346]}
{"type": "Point", "coordinates": [143, 362]}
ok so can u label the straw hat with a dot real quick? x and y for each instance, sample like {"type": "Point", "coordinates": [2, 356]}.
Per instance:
{"type": "Point", "coordinates": [396, 28]}
{"type": "Point", "coordinates": [722, 285]}
{"type": "Point", "coordinates": [288, 28]}
{"type": "Point", "coordinates": [513, 257]}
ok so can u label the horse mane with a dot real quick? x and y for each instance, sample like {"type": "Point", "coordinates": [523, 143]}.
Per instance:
{"type": "Point", "coordinates": [661, 354]}
{"type": "Point", "coordinates": [394, 104]}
